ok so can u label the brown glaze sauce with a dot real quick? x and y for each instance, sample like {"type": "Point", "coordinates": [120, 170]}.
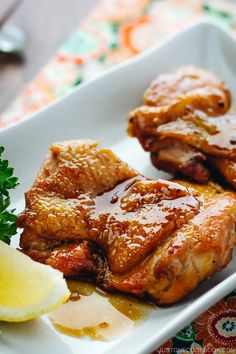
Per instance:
{"type": "Point", "coordinates": [225, 131]}
{"type": "Point", "coordinates": [129, 220]}
{"type": "Point", "coordinates": [92, 313]}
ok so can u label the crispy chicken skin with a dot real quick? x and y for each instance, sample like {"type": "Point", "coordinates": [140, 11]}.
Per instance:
{"type": "Point", "coordinates": [179, 158]}
{"type": "Point", "coordinates": [187, 109]}
{"type": "Point", "coordinates": [226, 167]}
{"type": "Point", "coordinates": [189, 255]}
{"type": "Point", "coordinates": [73, 174]}
{"type": "Point", "coordinates": [191, 86]}
{"type": "Point", "coordinates": [210, 136]}
{"type": "Point", "coordinates": [90, 214]}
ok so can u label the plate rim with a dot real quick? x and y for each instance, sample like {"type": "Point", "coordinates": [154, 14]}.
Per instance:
{"type": "Point", "coordinates": [204, 21]}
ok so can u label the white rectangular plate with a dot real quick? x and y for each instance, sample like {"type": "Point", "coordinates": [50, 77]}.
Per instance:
{"type": "Point", "coordinates": [99, 110]}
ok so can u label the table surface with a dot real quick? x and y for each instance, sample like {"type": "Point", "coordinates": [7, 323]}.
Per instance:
{"type": "Point", "coordinates": [46, 25]}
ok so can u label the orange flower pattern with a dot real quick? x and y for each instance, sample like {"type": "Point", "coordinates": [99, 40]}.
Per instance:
{"type": "Point", "coordinates": [217, 326]}
{"type": "Point", "coordinates": [114, 31]}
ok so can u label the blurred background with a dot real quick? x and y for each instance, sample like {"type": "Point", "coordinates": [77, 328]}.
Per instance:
{"type": "Point", "coordinates": [45, 24]}
{"type": "Point", "coordinates": [47, 47]}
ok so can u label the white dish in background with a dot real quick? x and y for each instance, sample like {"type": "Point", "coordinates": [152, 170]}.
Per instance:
{"type": "Point", "coordinates": [98, 110]}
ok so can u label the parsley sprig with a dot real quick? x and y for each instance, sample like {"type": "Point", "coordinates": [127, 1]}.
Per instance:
{"type": "Point", "coordinates": [7, 217]}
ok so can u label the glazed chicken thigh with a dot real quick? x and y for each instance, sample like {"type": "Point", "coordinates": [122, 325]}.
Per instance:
{"type": "Point", "coordinates": [90, 215]}
{"type": "Point", "coordinates": [185, 126]}
{"type": "Point", "coordinates": [189, 86]}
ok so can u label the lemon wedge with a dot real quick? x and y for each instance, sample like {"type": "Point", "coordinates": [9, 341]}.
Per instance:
{"type": "Point", "coordinates": [27, 289]}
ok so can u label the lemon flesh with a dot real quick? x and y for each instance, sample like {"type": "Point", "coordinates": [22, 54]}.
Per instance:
{"type": "Point", "coordinates": [27, 288]}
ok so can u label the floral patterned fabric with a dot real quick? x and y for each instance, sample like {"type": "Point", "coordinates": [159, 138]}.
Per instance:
{"type": "Point", "coordinates": [214, 332]}
{"type": "Point", "coordinates": [115, 31]}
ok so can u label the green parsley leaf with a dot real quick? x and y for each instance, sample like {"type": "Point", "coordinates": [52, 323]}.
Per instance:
{"type": "Point", "coordinates": [7, 217]}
